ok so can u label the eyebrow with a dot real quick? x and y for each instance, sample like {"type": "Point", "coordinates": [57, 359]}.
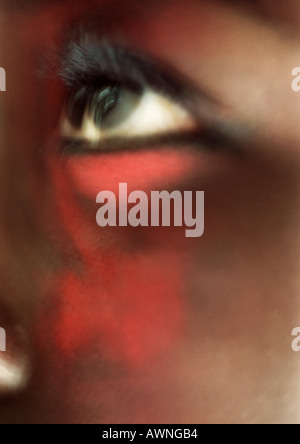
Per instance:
{"type": "Point", "coordinates": [261, 8]}
{"type": "Point", "coordinates": [35, 3]}
{"type": "Point", "coordinates": [28, 3]}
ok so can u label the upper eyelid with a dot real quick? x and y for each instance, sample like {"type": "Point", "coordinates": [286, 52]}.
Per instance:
{"type": "Point", "coordinates": [85, 62]}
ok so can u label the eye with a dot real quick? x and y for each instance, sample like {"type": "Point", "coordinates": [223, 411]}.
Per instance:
{"type": "Point", "coordinates": [112, 111]}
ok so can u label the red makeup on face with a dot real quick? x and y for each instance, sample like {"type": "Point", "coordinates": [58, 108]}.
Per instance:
{"type": "Point", "coordinates": [143, 325]}
{"type": "Point", "coordinates": [132, 316]}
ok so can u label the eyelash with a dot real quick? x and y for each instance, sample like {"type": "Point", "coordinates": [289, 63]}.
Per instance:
{"type": "Point", "coordinates": [107, 97]}
{"type": "Point", "coordinates": [91, 64]}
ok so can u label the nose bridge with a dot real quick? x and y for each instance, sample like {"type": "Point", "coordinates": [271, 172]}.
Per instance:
{"type": "Point", "coordinates": [14, 202]}
{"type": "Point", "coordinates": [14, 348]}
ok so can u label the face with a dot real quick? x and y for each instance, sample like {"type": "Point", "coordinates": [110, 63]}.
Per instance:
{"type": "Point", "coordinates": [144, 325]}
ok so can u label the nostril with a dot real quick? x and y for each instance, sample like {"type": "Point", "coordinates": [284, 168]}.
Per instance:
{"type": "Point", "coordinates": [13, 374]}
{"type": "Point", "coordinates": [14, 356]}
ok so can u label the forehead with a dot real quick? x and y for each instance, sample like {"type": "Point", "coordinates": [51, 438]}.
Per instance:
{"type": "Point", "coordinates": [279, 11]}
{"type": "Point", "coordinates": [264, 6]}
{"type": "Point", "coordinates": [36, 3]}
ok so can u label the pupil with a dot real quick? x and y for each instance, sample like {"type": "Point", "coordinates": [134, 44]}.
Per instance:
{"type": "Point", "coordinates": [103, 102]}
{"type": "Point", "coordinates": [77, 106]}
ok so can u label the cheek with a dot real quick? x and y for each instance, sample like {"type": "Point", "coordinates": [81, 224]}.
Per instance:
{"type": "Point", "coordinates": [147, 170]}
{"type": "Point", "coordinates": [78, 180]}
{"type": "Point", "coordinates": [126, 309]}
{"type": "Point", "coordinates": [125, 302]}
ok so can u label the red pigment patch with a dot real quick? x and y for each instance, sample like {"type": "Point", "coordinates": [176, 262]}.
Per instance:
{"type": "Point", "coordinates": [146, 170]}
{"type": "Point", "coordinates": [125, 304]}
{"type": "Point", "coordinates": [129, 311]}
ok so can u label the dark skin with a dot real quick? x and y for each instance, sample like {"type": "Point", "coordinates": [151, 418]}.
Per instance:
{"type": "Point", "coordinates": [141, 325]}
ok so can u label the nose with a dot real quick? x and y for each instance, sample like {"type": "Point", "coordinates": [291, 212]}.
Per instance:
{"type": "Point", "coordinates": [15, 264]}
{"type": "Point", "coordinates": [14, 358]}
{"type": "Point", "coordinates": [20, 254]}
{"type": "Point", "coordinates": [13, 375]}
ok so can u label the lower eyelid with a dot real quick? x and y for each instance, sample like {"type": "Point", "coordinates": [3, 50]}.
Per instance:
{"type": "Point", "coordinates": [143, 170]}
